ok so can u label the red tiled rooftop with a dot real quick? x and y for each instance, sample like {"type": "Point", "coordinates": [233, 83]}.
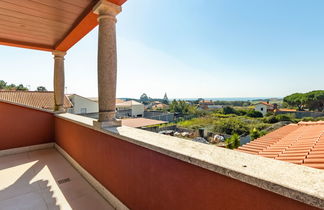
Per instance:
{"type": "Point", "coordinates": [41, 100]}
{"type": "Point", "coordinates": [265, 103]}
{"type": "Point", "coordinates": [301, 143]}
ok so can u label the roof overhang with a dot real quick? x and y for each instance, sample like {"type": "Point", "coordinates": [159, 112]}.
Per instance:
{"type": "Point", "coordinates": [47, 24]}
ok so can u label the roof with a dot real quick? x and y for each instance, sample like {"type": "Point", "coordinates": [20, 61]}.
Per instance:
{"type": "Point", "coordinates": [128, 103]}
{"type": "Point", "coordinates": [42, 100]}
{"type": "Point", "coordinates": [287, 110]}
{"type": "Point", "coordinates": [301, 143]}
{"type": "Point", "coordinates": [265, 103]}
{"type": "Point", "coordinates": [47, 25]}
{"type": "Point", "coordinates": [209, 102]}
{"type": "Point", "coordinates": [96, 100]}
{"type": "Point", "coordinates": [159, 106]}
{"type": "Point", "coordinates": [141, 122]}
{"type": "Point", "coordinates": [70, 96]}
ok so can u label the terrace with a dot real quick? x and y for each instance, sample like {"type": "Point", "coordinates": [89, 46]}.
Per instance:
{"type": "Point", "coordinates": [56, 160]}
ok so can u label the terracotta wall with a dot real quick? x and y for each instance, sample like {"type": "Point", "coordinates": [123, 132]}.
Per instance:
{"type": "Point", "coordinates": [20, 126]}
{"type": "Point", "coordinates": [144, 179]}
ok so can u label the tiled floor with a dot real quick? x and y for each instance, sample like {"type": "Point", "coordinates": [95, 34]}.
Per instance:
{"type": "Point", "coordinates": [35, 181]}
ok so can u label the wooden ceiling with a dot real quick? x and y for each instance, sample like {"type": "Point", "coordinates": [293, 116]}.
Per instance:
{"type": "Point", "coordinates": [46, 24]}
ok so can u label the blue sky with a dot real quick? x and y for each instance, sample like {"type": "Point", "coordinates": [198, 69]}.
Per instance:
{"type": "Point", "coordinates": [195, 48]}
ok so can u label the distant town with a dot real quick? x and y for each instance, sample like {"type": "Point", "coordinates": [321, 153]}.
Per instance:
{"type": "Point", "coordinates": [223, 123]}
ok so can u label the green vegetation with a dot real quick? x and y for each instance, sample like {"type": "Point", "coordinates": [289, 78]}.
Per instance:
{"type": "Point", "coordinates": [226, 123]}
{"type": "Point", "coordinates": [185, 108]}
{"type": "Point", "coordinates": [41, 89]}
{"type": "Point", "coordinates": [255, 133]}
{"type": "Point", "coordinates": [233, 121]}
{"type": "Point", "coordinates": [313, 100]}
{"type": "Point", "coordinates": [5, 86]}
{"type": "Point", "coordinates": [233, 142]}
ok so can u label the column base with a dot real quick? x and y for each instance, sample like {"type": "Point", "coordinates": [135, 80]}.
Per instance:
{"type": "Point", "coordinates": [107, 124]}
{"type": "Point", "coordinates": [59, 108]}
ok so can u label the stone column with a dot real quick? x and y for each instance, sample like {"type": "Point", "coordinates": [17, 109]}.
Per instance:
{"type": "Point", "coordinates": [59, 80]}
{"type": "Point", "coordinates": [107, 62]}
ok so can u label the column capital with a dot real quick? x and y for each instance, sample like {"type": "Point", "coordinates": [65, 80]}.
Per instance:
{"type": "Point", "coordinates": [106, 8]}
{"type": "Point", "coordinates": [58, 53]}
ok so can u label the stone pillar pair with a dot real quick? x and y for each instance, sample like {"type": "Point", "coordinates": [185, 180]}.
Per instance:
{"type": "Point", "coordinates": [107, 66]}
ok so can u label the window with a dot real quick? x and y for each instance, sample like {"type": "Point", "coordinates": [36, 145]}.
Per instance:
{"type": "Point", "coordinates": [262, 109]}
{"type": "Point", "coordinates": [83, 110]}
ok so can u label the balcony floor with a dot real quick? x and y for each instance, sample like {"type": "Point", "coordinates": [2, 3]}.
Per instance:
{"type": "Point", "coordinates": [44, 179]}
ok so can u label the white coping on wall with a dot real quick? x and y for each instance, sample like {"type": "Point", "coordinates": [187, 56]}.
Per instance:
{"type": "Point", "coordinates": [115, 202]}
{"type": "Point", "coordinates": [25, 149]}
{"type": "Point", "coordinates": [297, 182]}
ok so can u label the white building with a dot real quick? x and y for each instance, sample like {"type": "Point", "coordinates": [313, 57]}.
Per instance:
{"type": "Point", "coordinates": [264, 107]}
{"type": "Point", "coordinates": [82, 105]}
{"type": "Point", "coordinates": [136, 109]}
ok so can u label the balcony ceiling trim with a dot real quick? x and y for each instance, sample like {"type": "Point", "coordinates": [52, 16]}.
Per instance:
{"type": "Point", "coordinates": [86, 21]}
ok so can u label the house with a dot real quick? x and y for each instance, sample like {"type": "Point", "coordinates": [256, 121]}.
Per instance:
{"type": "Point", "coordinates": [41, 100]}
{"type": "Point", "coordinates": [130, 109]}
{"type": "Point", "coordinates": [118, 100]}
{"type": "Point", "coordinates": [159, 106]}
{"type": "Point", "coordinates": [264, 107]}
{"type": "Point", "coordinates": [301, 144]}
{"type": "Point", "coordinates": [89, 107]}
{"type": "Point", "coordinates": [82, 105]}
{"type": "Point", "coordinates": [208, 105]}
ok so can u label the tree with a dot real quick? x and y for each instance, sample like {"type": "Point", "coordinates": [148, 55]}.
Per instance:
{"type": "Point", "coordinates": [315, 100]}
{"type": "Point", "coordinates": [233, 142]}
{"type": "Point", "coordinates": [229, 110]}
{"type": "Point", "coordinates": [254, 114]}
{"type": "Point", "coordinates": [255, 133]}
{"type": "Point", "coordinates": [231, 126]}
{"type": "Point", "coordinates": [41, 89]}
{"type": "Point", "coordinates": [3, 84]}
{"type": "Point", "coordinates": [182, 107]}
{"type": "Point", "coordinates": [21, 87]}
{"type": "Point", "coordinates": [165, 99]}
{"type": "Point", "coordinates": [296, 100]}
{"type": "Point", "coordinates": [11, 87]}
{"type": "Point", "coordinates": [144, 97]}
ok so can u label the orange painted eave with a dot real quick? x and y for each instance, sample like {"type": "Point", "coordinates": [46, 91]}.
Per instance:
{"type": "Point", "coordinates": [24, 45]}
{"type": "Point", "coordinates": [82, 28]}
{"type": "Point", "coordinates": [88, 23]}
{"type": "Point", "coordinates": [118, 2]}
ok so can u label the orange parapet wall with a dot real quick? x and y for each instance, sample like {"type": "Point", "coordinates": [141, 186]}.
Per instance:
{"type": "Point", "coordinates": [21, 126]}
{"type": "Point", "coordinates": [145, 179]}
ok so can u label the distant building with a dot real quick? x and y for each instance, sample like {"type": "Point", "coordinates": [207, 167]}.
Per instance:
{"type": "Point", "coordinates": [156, 105]}
{"type": "Point", "coordinates": [264, 107]}
{"type": "Point", "coordinates": [130, 109]}
{"type": "Point", "coordinates": [82, 105]}
{"type": "Point", "coordinates": [209, 104]}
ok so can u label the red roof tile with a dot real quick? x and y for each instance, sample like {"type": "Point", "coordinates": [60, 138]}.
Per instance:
{"type": "Point", "coordinates": [41, 100]}
{"type": "Point", "coordinates": [301, 143]}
